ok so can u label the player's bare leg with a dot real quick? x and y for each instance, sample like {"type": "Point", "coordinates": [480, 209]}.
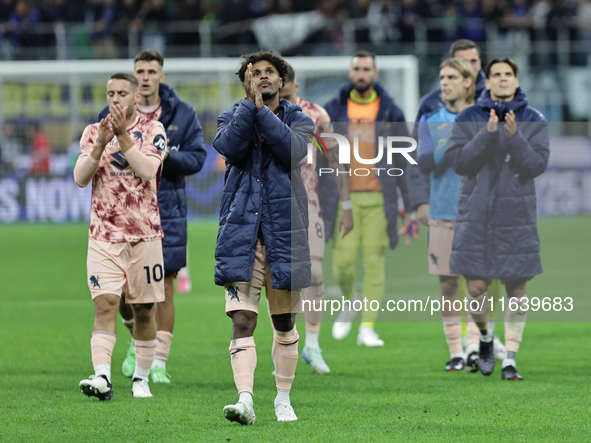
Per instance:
{"type": "Point", "coordinates": [515, 318]}
{"type": "Point", "coordinates": [452, 321]}
{"type": "Point", "coordinates": [101, 345]}
{"type": "Point", "coordinates": [165, 324]}
{"type": "Point", "coordinates": [145, 346]}
{"type": "Point", "coordinates": [478, 307]}
{"type": "Point", "coordinates": [243, 358]}
{"type": "Point", "coordinates": [285, 358]}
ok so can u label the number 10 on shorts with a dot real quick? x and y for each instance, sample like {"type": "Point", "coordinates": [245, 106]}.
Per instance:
{"type": "Point", "coordinates": [157, 273]}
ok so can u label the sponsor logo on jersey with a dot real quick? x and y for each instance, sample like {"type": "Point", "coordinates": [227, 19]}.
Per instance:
{"type": "Point", "coordinates": [119, 160]}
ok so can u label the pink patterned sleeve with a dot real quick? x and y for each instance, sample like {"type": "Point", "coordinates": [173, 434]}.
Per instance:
{"type": "Point", "coordinates": [145, 166]}
{"type": "Point", "coordinates": [86, 166]}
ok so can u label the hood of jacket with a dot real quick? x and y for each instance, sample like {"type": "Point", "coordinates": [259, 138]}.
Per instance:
{"type": "Point", "coordinates": [486, 103]}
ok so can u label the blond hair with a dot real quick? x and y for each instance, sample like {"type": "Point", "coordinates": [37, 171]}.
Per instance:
{"type": "Point", "coordinates": [466, 71]}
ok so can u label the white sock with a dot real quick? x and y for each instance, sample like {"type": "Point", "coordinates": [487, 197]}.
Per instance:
{"type": "Point", "coordinates": [312, 340]}
{"type": "Point", "coordinates": [282, 397]}
{"type": "Point", "coordinates": [103, 370]}
{"type": "Point", "coordinates": [457, 355]}
{"type": "Point", "coordinates": [472, 347]}
{"type": "Point", "coordinates": [141, 373]}
{"type": "Point", "coordinates": [160, 363]}
{"type": "Point", "coordinates": [487, 336]}
{"type": "Point", "coordinates": [509, 362]}
{"type": "Point", "coordinates": [246, 398]}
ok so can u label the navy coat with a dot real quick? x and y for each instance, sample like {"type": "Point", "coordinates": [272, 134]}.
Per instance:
{"type": "Point", "coordinates": [431, 102]}
{"type": "Point", "coordinates": [496, 234]}
{"type": "Point", "coordinates": [263, 189]}
{"type": "Point", "coordinates": [389, 112]}
{"type": "Point", "coordinates": [186, 157]}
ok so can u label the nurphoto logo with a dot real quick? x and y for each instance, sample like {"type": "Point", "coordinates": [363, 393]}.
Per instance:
{"type": "Point", "coordinates": [385, 143]}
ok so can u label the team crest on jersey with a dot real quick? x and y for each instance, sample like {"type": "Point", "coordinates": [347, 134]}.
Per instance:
{"type": "Point", "coordinates": [160, 142]}
{"type": "Point", "coordinates": [138, 135]}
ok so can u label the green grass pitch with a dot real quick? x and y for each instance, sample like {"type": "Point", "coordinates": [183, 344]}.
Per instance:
{"type": "Point", "coordinates": [399, 392]}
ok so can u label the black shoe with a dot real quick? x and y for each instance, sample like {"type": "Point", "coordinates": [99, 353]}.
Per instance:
{"type": "Point", "coordinates": [472, 362]}
{"type": "Point", "coordinates": [455, 364]}
{"type": "Point", "coordinates": [486, 358]}
{"type": "Point", "coordinates": [510, 373]}
{"type": "Point", "coordinates": [97, 386]}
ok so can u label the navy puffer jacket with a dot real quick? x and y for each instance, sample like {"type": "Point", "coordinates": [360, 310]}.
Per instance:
{"type": "Point", "coordinates": [186, 157]}
{"type": "Point", "coordinates": [496, 234]}
{"type": "Point", "coordinates": [263, 189]}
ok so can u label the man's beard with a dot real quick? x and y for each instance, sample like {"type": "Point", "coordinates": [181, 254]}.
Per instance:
{"type": "Point", "coordinates": [268, 95]}
{"type": "Point", "coordinates": [362, 89]}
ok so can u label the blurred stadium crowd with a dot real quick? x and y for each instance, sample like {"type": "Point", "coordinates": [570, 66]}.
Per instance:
{"type": "Point", "coordinates": [549, 39]}
{"type": "Point", "coordinates": [33, 29]}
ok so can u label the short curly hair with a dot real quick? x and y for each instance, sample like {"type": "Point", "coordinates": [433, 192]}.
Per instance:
{"type": "Point", "coordinates": [270, 56]}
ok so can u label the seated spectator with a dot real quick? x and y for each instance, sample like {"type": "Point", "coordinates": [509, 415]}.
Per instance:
{"type": "Point", "coordinates": [188, 10]}
{"type": "Point", "coordinates": [232, 12]}
{"type": "Point", "coordinates": [104, 35]}
{"type": "Point", "coordinates": [154, 17]}
{"type": "Point", "coordinates": [382, 17]}
{"type": "Point", "coordinates": [127, 20]}
{"type": "Point", "coordinates": [20, 24]}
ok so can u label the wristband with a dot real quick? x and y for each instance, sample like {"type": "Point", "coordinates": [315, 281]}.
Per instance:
{"type": "Point", "coordinates": [347, 205]}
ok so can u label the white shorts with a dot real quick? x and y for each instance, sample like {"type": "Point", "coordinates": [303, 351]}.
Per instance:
{"type": "Point", "coordinates": [140, 264]}
{"type": "Point", "coordinates": [245, 296]}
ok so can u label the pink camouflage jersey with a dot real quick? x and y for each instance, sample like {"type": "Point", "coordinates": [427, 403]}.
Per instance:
{"type": "Point", "coordinates": [125, 207]}
{"type": "Point", "coordinates": [321, 119]}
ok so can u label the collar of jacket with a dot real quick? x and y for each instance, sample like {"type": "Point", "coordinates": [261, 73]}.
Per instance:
{"type": "Point", "coordinates": [486, 103]}
{"type": "Point", "coordinates": [169, 100]}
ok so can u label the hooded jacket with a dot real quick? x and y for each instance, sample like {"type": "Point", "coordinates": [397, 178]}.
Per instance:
{"type": "Point", "coordinates": [263, 192]}
{"type": "Point", "coordinates": [495, 233]}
